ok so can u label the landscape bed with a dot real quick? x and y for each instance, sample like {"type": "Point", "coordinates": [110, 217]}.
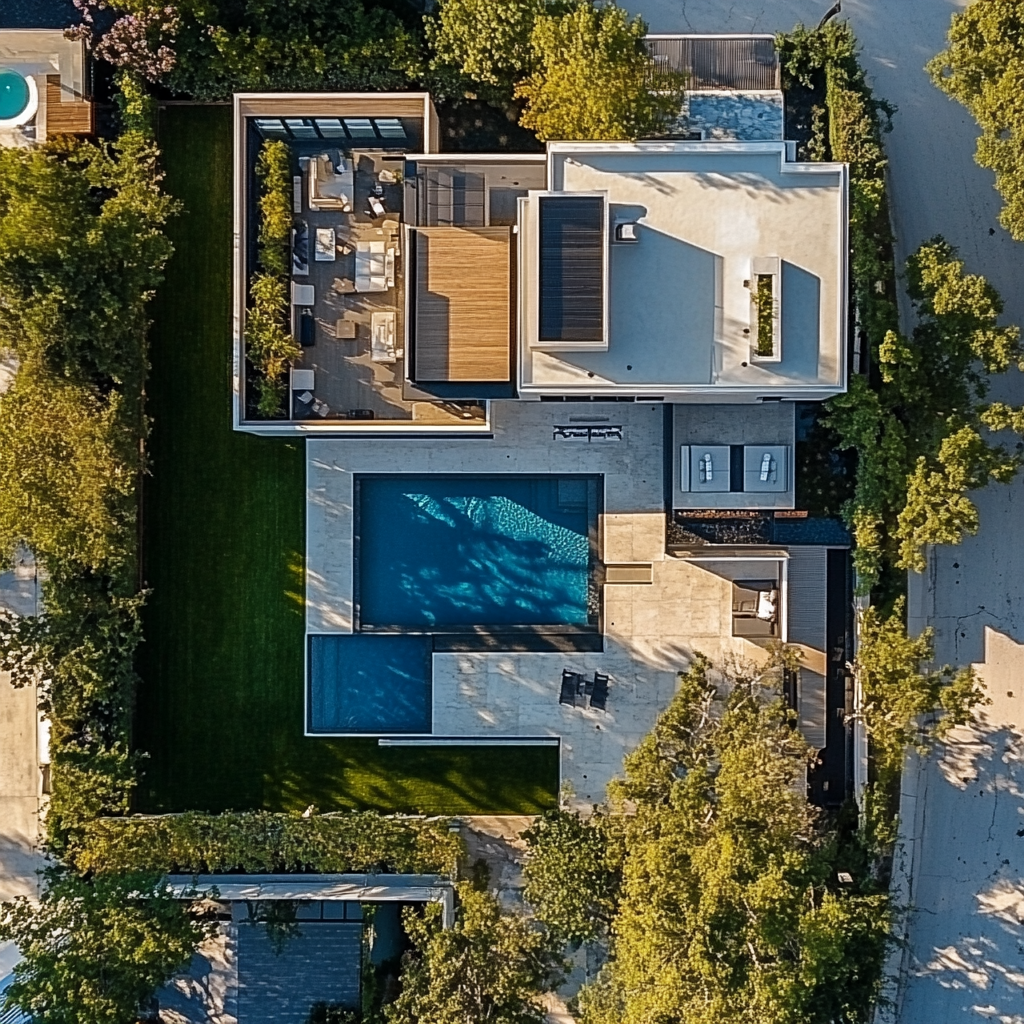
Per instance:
{"type": "Point", "coordinates": [220, 706]}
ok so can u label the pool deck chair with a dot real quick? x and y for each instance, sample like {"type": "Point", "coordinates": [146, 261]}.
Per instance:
{"type": "Point", "coordinates": [599, 695]}
{"type": "Point", "coordinates": [570, 688]}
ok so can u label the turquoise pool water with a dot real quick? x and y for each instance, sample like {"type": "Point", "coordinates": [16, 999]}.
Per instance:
{"type": "Point", "coordinates": [366, 683]}
{"type": "Point", "coordinates": [14, 94]}
{"type": "Point", "coordinates": [438, 553]}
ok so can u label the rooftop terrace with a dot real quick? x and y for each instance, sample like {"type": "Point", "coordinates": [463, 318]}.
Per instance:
{"type": "Point", "coordinates": [725, 273]}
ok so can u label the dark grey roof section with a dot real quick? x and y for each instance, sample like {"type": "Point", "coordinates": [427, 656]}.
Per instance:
{"type": "Point", "coordinates": [571, 268]}
{"type": "Point", "coordinates": [278, 985]}
{"type": "Point", "coordinates": [719, 62]}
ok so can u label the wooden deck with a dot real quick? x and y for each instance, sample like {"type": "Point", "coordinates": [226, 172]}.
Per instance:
{"type": "Point", "coordinates": [67, 113]}
{"type": "Point", "coordinates": [463, 304]}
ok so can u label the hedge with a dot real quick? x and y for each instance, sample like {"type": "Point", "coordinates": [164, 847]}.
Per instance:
{"type": "Point", "coordinates": [259, 842]}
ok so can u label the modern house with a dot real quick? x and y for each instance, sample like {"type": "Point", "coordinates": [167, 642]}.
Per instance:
{"type": "Point", "coordinates": [551, 404]}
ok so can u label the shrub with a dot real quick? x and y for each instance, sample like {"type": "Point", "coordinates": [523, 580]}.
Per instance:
{"type": "Point", "coordinates": [268, 342]}
{"type": "Point", "coordinates": [261, 841]}
{"type": "Point", "coordinates": [274, 171]}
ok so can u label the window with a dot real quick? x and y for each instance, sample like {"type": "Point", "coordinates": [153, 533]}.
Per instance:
{"type": "Point", "coordinates": [330, 127]}
{"type": "Point", "coordinates": [299, 128]}
{"type": "Point", "coordinates": [390, 128]}
{"type": "Point", "coordinates": [271, 126]}
{"type": "Point", "coordinates": [360, 128]}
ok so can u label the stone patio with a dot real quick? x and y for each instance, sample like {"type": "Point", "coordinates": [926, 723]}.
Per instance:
{"type": "Point", "coordinates": [651, 631]}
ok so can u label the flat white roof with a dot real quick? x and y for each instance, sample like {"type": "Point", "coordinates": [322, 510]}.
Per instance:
{"type": "Point", "coordinates": [680, 303]}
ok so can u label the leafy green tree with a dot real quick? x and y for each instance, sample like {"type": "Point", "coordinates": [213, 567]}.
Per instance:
{"type": "Point", "coordinates": [572, 874]}
{"type": "Point", "coordinates": [223, 46]}
{"type": "Point", "coordinates": [489, 966]}
{"type": "Point", "coordinates": [897, 692]}
{"type": "Point", "coordinates": [81, 250]}
{"type": "Point", "coordinates": [93, 952]}
{"type": "Point", "coordinates": [918, 432]}
{"type": "Point", "coordinates": [488, 41]}
{"type": "Point", "coordinates": [730, 910]}
{"type": "Point", "coordinates": [592, 77]}
{"type": "Point", "coordinates": [67, 470]}
{"type": "Point", "coordinates": [982, 68]}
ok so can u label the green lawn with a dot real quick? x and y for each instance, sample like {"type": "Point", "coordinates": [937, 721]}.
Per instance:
{"type": "Point", "coordinates": [220, 706]}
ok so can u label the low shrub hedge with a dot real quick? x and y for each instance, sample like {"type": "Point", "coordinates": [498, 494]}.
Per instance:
{"type": "Point", "coordinates": [262, 841]}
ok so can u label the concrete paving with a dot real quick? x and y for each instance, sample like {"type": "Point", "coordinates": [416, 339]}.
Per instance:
{"type": "Point", "coordinates": [20, 784]}
{"type": "Point", "coordinates": [963, 807]}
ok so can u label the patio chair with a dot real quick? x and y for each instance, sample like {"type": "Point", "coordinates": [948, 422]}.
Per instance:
{"type": "Point", "coordinates": [599, 695]}
{"type": "Point", "coordinates": [570, 687]}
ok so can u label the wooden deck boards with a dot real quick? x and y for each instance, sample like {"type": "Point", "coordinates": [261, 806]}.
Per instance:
{"type": "Point", "coordinates": [67, 114]}
{"type": "Point", "coordinates": [463, 294]}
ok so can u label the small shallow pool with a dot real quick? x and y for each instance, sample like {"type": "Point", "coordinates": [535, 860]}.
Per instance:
{"type": "Point", "coordinates": [456, 553]}
{"type": "Point", "coordinates": [370, 684]}
{"type": "Point", "coordinates": [15, 96]}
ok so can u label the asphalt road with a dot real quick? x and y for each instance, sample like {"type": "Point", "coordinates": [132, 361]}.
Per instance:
{"type": "Point", "coordinates": [964, 806]}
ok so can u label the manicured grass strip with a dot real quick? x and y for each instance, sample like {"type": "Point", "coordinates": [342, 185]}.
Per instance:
{"type": "Point", "coordinates": [220, 706]}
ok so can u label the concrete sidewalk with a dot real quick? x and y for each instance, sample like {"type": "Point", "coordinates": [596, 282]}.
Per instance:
{"type": "Point", "coordinates": [20, 782]}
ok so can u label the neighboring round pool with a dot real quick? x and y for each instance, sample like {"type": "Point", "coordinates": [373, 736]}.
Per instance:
{"type": "Point", "coordinates": [18, 98]}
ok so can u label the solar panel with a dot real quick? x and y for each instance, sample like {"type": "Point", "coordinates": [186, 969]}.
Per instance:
{"type": "Point", "coordinates": [360, 128]}
{"type": "Point", "coordinates": [571, 268]}
{"type": "Point", "coordinates": [330, 127]}
{"type": "Point", "coordinates": [390, 128]}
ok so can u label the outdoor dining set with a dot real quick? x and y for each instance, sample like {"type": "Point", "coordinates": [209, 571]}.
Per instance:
{"type": "Point", "coordinates": [577, 689]}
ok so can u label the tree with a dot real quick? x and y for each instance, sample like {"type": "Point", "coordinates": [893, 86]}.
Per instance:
{"type": "Point", "coordinates": [82, 249]}
{"type": "Point", "coordinates": [67, 470]}
{"type": "Point", "coordinates": [572, 874]}
{"type": "Point", "coordinates": [488, 967]}
{"type": "Point", "coordinates": [592, 77]}
{"type": "Point", "coordinates": [982, 68]}
{"type": "Point", "coordinates": [488, 41]}
{"type": "Point", "coordinates": [918, 432]}
{"type": "Point", "coordinates": [94, 951]}
{"type": "Point", "coordinates": [730, 910]}
{"type": "Point", "coordinates": [897, 692]}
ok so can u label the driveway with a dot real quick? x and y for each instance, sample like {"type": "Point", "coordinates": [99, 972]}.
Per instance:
{"type": "Point", "coordinates": [963, 807]}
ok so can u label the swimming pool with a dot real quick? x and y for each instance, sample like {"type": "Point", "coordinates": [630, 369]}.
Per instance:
{"type": "Point", "coordinates": [373, 684]}
{"type": "Point", "coordinates": [462, 552]}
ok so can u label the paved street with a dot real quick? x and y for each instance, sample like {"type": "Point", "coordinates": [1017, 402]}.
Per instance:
{"type": "Point", "coordinates": [965, 958]}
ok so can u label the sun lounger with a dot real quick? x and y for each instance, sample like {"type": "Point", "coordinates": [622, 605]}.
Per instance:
{"type": "Point", "coordinates": [599, 696]}
{"type": "Point", "coordinates": [570, 687]}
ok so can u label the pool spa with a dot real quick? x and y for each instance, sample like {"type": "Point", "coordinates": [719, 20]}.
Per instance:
{"type": "Point", "coordinates": [19, 98]}
{"type": "Point", "coordinates": [472, 553]}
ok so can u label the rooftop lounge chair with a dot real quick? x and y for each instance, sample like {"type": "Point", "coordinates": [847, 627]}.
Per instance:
{"type": "Point", "coordinates": [599, 695]}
